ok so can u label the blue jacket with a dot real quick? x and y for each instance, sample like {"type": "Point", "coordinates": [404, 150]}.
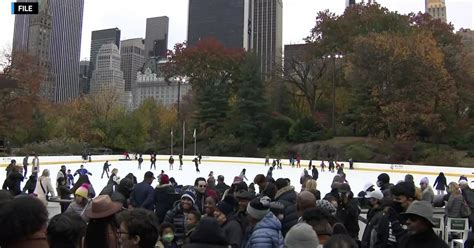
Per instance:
{"type": "Point", "coordinates": [143, 196]}
{"type": "Point", "coordinates": [266, 233]}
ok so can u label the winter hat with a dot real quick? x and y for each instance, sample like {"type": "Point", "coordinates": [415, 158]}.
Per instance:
{"type": "Point", "coordinates": [189, 194]}
{"type": "Point", "coordinates": [164, 179]}
{"type": "Point", "coordinates": [424, 180]}
{"type": "Point", "coordinates": [259, 207]}
{"type": "Point", "coordinates": [422, 209]}
{"type": "Point", "coordinates": [301, 235]}
{"type": "Point", "coordinates": [376, 194]}
{"type": "Point", "coordinates": [344, 187]}
{"type": "Point", "coordinates": [463, 182]}
{"type": "Point", "coordinates": [237, 180]}
{"type": "Point", "coordinates": [367, 186]}
{"type": "Point", "coordinates": [383, 178]}
{"type": "Point", "coordinates": [82, 191]}
{"type": "Point", "coordinates": [409, 178]}
{"type": "Point", "coordinates": [326, 205]}
{"type": "Point", "coordinates": [225, 208]}
{"type": "Point", "coordinates": [277, 208]}
{"type": "Point", "coordinates": [281, 183]}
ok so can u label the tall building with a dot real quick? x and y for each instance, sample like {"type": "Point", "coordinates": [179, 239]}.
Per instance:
{"type": "Point", "coordinates": [223, 20]}
{"type": "Point", "coordinates": [99, 38]}
{"type": "Point", "coordinates": [436, 8]}
{"type": "Point", "coordinates": [350, 2]}
{"type": "Point", "coordinates": [149, 85]}
{"type": "Point", "coordinates": [266, 18]}
{"type": "Point", "coordinates": [83, 76]}
{"type": "Point", "coordinates": [467, 36]}
{"type": "Point", "coordinates": [132, 59]}
{"type": "Point", "coordinates": [44, 36]}
{"type": "Point", "coordinates": [107, 77]}
{"type": "Point", "coordinates": [65, 49]}
{"type": "Point", "coordinates": [156, 39]}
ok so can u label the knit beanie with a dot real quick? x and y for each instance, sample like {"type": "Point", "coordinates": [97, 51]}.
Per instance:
{"type": "Point", "coordinates": [259, 207]}
{"type": "Point", "coordinates": [301, 235]}
{"type": "Point", "coordinates": [189, 194]}
{"type": "Point", "coordinates": [326, 205]}
{"type": "Point", "coordinates": [82, 191]}
{"type": "Point", "coordinates": [225, 208]}
{"type": "Point", "coordinates": [164, 179]}
{"type": "Point", "coordinates": [281, 183]}
{"type": "Point", "coordinates": [424, 180]}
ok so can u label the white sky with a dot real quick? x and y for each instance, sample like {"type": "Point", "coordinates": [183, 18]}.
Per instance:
{"type": "Point", "coordinates": [298, 17]}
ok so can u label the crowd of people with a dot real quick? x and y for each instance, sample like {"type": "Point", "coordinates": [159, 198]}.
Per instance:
{"type": "Point", "coordinates": [264, 213]}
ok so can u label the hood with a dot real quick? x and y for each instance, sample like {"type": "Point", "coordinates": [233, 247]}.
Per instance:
{"type": "Point", "coordinates": [286, 193]}
{"type": "Point", "coordinates": [269, 222]}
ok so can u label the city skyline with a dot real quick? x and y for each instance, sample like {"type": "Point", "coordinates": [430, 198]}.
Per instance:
{"type": "Point", "coordinates": [298, 17]}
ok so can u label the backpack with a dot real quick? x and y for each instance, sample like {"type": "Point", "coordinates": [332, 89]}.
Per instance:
{"type": "Point", "coordinates": [465, 210]}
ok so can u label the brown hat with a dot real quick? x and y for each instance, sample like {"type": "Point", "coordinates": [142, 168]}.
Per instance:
{"type": "Point", "coordinates": [102, 206]}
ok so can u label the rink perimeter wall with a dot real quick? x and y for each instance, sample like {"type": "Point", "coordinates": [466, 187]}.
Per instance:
{"type": "Point", "coordinates": [371, 167]}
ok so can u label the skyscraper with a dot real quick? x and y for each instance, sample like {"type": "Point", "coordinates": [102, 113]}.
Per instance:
{"type": "Point", "coordinates": [65, 49]}
{"type": "Point", "coordinates": [54, 37]}
{"type": "Point", "coordinates": [132, 52]}
{"type": "Point", "coordinates": [83, 76]}
{"type": "Point", "coordinates": [436, 8]}
{"type": "Point", "coordinates": [266, 18]}
{"type": "Point", "coordinates": [107, 77]}
{"type": "Point", "coordinates": [223, 20]}
{"type": "Point", "coordinates": [156, 39]}
{"type": "Point", "coordinates": [99, 38]}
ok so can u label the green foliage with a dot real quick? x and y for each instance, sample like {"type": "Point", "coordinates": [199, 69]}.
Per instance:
{"type": "Point", "coordinates": [306, 130]}
{"type": "Point", "coordinates": [359, 152]}
{"type": "Point", "coordinates": [54, 147]}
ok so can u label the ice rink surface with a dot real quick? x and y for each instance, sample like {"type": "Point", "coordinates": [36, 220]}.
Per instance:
{"type": "Point", "coordinates": [356, 178]}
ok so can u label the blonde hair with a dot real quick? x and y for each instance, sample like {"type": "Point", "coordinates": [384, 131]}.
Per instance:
{"type": "Point", "coordinates": [453, 188]}
{"type": "Point", "coordinates": [45, 173]}
{"type": "Point", "coordinates": [311, 185]}
{"type": "Point", "coordinates": [114, 171]}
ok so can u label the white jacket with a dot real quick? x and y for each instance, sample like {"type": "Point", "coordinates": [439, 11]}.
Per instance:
{"type": "Point", "coordinates": [48, 188]}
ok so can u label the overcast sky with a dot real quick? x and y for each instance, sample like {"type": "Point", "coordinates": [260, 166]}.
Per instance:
{"type": "Point", "coordinates": [298, 17]}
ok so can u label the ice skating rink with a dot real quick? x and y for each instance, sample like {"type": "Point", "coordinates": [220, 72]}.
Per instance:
{"type": "Point", "coordinates": [230, 167]}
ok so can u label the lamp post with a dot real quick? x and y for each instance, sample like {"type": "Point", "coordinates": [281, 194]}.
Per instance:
{"type": "Point", "coordinates": [333, 112]}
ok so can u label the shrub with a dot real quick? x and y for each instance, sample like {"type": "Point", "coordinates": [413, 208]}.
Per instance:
{"type": "Point", "coordinates": [359, 152]}
{"type": "Point", "coordinates": [55, 147]}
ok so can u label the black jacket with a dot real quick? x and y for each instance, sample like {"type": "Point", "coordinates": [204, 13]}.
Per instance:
{"type": "Point", "coordinates": [287, 196]}
{"type": "Point", "coordinates": [315, 173]}
{"type": "Point", "coordinates": [427, 239]}
{"type": "Point", "coordinates": [348, 215]}
{"type": "Point", "coordinates": [389, 231]}
{"type": "Point", "coordinates": [12, 183]}
{"type": "Point", "coordinates": [176, 217]}
{"type": "Point", "coordinates": [165, 196]}
{"type": "Point", "coordinates": [233, 232]}
{"type": "Point", "coordinates": [221, 188]}
{"type": "Point", "coordinates": [208, 234]}
{"type": "Point", "coordinates": [373, 218]}
{"type": "Point", "coordinates": [440, 183]}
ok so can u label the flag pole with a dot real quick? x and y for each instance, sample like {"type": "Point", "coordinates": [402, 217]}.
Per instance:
{"type": "Point", "coordinates": [171, 142]}
{"type": "Point", "coordinates": [184, 135]}
{"type": "Point", "coordinates": [194, 142]}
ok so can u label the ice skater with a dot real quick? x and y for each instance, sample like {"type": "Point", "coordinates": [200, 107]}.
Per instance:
{"type": "Point", "coordinates": [242, 175]}
{"type": "Point", "coordinates": [140, 161]}
{"type": "Point", "coordinates": [196, 163]}
{"type": "Point", "coordinates": [25, 165]}
{"type": "Point", "coordinates": [171, 161]}
{"type": "Point", "coordinates": [279, 164]}
{"type": "Point", "coordinates": [153, 161]}
{"type": "Point", "coordinates": [81, 171]}
{"type": "Point", "coordinates": [200, 157]}
{"type": "Point", "coordinates": [310, 165]}
{"type": "Point", "coordinates": [267, 160]}
{"type": "Point", "coordinates": [323, 165]}
{"type": "Point", "coordinates": [105, 169]}
{"type": "Point", "coordinates": [180, 161]}
{"type": "Point", "coordinates": [298, 160]}
{"type": "Point", "coordinates": [351, 164]}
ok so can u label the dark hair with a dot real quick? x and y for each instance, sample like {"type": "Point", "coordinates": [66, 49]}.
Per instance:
{"type": "Point", "coordinates": [60, 180]}
{"type": "Point", "coordinates": [66, 230]}
{"type": "Point", "coordinates": [196, 182]}
{"type": "Point", "coordinates": [82, 179]}
{"type": "Point", "coordinates": [318, 218]}
{"type": "Point", "coordinates": [341, 241]}
{"type": "Point", "coordinates": [172, 180]}
{"type": "Point", "coordinates": [220, 178]}
{"type": "Point", "coordinates": [165, 225]}
{"type": "Point", "coordinates": [5, 195]}
{"type": "Point", "coordinates": [404, 188]}
{"type": "Point", "coordinates": [97, 231]}
{"type": "Point", "coordinates": [142, 223]}
{"type": "Point", "coordinates": [23, 216]}
{"type": "Point", "coordinates": [196, 214]}
{"type": "Point", "coordinates": [260, 178]}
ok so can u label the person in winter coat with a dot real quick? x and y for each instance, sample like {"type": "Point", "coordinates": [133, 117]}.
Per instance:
{"type": "Point", "coordinates": [230, 226]}
{"type": "Point", "coordinates": [266, 188]}
{"type": "Point", "coordinates": [311, 186]}
{"type": "Point", "coordinates": [13, 181]}
{"type": "Point", "coordinates": [114, 179]}
{"type": "Point", "coordinates": [177, 215]}
{"type": "Point", "coordinates": [84, 179]}
{"type": "Point", "coordinates": [30, 185]}
{"type": "Point", "coordinates": [419, 221]}
{"type": "Point", "coordinates": [10, 167]}
{"type": "Point", "coordinates": [373, 218]}
{"type": "Point", "coordinates": [165, 196]}
{"type": "Point", "coordinates": [440, 184]}
{"type": "Point", "coordinates": [63, 192]}
{"type": "Point", "coordinates": [208, 234]}
{"type": "Point", "coordinates": [265, 228]}
{"type": "Point", "coordinates": [348, 211]}
{"type": "Point", "coordinates": [143, 195]}
{"type": "Point", "coordinates": [221, 187]}
{"type": "Point", "coordinates": [315, 173]}
{"type": "Point", "coordinates": [242, 175]}
{"type": "Point", "coordinates": [81, 202]}
{"type": "Point", "coordinates": [25, 165]}
{"type": "Point", "coordinates": [167, 238]}
{"type": "Point", "coordinates": [122, 192]}
{"type": "Point", "coordinates": [286, 195]}
{"type": "Point", "coordinates": [455, 201]}
{"type": "Point", "coordinates": [44, 187]}
{"type": "Point", "coordinates": [383, 182]}
{"type": "Point", "coordinates": [61, 173]}
{"type": "Point", "coordinates": [81, 171]}
{"type": "Point", "coordinates": [427, 191]}
{"type": "Point", "coordinates": [105, 169]}
{"type": "Point", "coordinates": [202, 192]}
{"type": "Point", "coordinates": [36, 163]}
{"type": "Point", "coordinates": [468, 195]}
